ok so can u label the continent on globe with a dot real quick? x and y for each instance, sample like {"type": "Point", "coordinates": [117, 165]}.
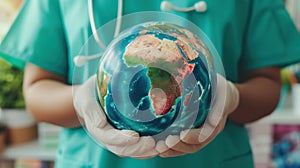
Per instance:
{"type": "Point", "coordinates": [166, 54]}
{"type": "Point", "coordinates": [155, 78]}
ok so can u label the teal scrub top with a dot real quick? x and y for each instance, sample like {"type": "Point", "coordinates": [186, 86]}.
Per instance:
{"type": "Point", "coordinates": [248, 35]}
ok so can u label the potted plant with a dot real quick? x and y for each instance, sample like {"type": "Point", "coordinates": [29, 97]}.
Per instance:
{"type": "Point", "coordinates": [21, 127]}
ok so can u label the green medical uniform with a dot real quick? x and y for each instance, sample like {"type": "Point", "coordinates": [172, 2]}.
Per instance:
{"type": "Point", "coordinates": [248, 35]}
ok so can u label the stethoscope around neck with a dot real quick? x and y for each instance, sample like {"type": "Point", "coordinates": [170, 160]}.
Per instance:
{"type": "Point", "coordinates": [80, 60]}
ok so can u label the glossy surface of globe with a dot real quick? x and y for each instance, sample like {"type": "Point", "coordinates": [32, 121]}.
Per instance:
{"type": "Point", "coordinates": [155, 78]}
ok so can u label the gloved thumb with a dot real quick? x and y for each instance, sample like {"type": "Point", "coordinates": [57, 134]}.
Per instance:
{"type": "Point", "coordinates": [86, 104]}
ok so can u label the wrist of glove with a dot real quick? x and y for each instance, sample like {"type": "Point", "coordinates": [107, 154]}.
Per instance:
{"type": "Point", "coordinates": [192, 140]}
{"type": "Point", "coordinates": [125, 143]}
{"type": "Point", "coordinates": [232, 98]}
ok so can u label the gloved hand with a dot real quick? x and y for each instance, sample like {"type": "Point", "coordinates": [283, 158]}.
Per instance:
{"type": "Point", "coordinates": [125, 143]}
{"type": "Point", "coordinates": [192, 140]}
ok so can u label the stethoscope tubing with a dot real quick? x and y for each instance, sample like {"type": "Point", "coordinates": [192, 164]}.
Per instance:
{"type": "Point", "coordinates": [79, 60]}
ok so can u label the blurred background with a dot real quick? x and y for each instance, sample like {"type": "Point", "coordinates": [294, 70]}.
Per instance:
{"type": "Point", "coordinates": [23, 142]}
{"type": "Point", "coordinates": [26, 144]}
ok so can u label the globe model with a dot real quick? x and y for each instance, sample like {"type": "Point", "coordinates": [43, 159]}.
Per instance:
{"type": "Point", "coordinates": [155, 78]}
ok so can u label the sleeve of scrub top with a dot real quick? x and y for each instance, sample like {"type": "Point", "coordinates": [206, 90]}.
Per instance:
{"type": "Point", "coordinates": [37, 36]}
{"type": "Point", "coordinates": [271, 39]}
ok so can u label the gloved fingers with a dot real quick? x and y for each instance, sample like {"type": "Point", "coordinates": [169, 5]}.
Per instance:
{"type": "Point", "coordinates": [215, 115]}
{"type": "Point", "coordinates": [220, 126]}
{"type": "Point", "coordinates": [187, 148]}
{"type": "Point", "coordinates": [217, 110]}
{"type": "Point", "coordinates": [172, 140]}
{"type": "Point", "coordinates": [171, 153]}
{"type": "Point", "coordinates": [150, 154]}
{"type": "Point", "coordinates": [94, 116]}
{"type": "Point", "coordinates": [232, 97]}
{"type": "Point", "coordinates": [84, 93]}
{"type": "Point", "coordinates": [206, 131]}
{"type": "Point", "coordinates": [198, 135]}
{"type": "Point", "coordinates": [161, 146]}
{"type": "Point", "coordinates": [215, 120]}
{"type": "Point", "coordinates": [111, 136]}
{"type": "Point", "coordinates": [226, 89]}
{"type": "Point", "coordinates": [190, 136]}
{"type": "Point", "coordinates": [143, 148]}
{"type": "Point", "coordinates": [176, 144]}
{"type": "Point", "coordinates": [86, 105]}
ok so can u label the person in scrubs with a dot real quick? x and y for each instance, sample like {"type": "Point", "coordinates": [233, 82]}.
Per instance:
{"type": "Point", "coordinates": [254, 39]}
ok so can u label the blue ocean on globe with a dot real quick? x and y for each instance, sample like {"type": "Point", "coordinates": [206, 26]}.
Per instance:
{"type": "Point", "coordinates": [156, 78]}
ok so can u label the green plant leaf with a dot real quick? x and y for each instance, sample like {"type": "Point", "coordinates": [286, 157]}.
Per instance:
{"type": "Point", "coordinates": [11, 79]}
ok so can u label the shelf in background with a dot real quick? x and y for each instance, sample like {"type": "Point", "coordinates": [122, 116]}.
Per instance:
{"type": "Point", "coordinates": [283, 116]}
{"type": "Point", "coordinates": [35, 149]}
{"type": "Point", "coordinates": [31, 150]}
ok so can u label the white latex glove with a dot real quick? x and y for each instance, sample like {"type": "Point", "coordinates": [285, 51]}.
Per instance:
{"type": "Point", "coordinates": [192, 140]}
{"type": "Point", "coordinates": [125, 143]}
